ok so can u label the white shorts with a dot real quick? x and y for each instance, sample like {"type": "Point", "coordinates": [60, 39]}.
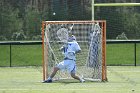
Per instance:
{"type": "Point", "coordinates": [68, 65]}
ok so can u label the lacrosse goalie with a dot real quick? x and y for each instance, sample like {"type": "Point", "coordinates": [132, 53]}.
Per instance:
{"type": "Point", "coordinates": [70, 49]}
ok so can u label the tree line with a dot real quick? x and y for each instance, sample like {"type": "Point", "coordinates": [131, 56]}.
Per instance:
{"type": "Point", "coordinates": [21, 19]}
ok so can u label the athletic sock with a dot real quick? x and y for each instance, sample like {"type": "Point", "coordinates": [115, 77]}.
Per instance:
{"type": "Point", "coordinates": [49, 78]}
{"type": "Point", "coordinates": [82, 80]}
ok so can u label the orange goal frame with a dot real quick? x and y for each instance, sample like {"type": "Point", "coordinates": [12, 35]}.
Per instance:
{"type": "Point", "coordinates": [45, 50]}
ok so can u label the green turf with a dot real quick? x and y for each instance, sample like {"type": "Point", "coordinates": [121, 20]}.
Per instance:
{"type": "Point", "coordinates": [22, 55]}
{"type": "Point", "coordinates": [138, 54]}
{"type": "Point", "coordinates": [119, 54]}
{"type": "Point", "coordinates": [121, 79]}
{"type": "Point", "coordinates": [5, 55]}
{"type": "Point", "coordinates": [27, 55]}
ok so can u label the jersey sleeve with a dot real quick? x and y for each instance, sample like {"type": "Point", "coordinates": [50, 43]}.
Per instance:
{"type": "Point", "coordinates": [77, 47]}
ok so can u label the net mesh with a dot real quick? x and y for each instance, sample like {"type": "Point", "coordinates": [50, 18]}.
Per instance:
{"type": "Point", "coordinates": [88, 36]}
{"type": "Point", "coordinates": [95, 51]}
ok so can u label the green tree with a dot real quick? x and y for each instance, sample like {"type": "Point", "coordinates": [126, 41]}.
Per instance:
{"type": "Point", "coordinates": [9, 21]}
{"type": "Point", "coordinates": [32, 23]}
{"type": "Point", "coordinates": [132, 25]}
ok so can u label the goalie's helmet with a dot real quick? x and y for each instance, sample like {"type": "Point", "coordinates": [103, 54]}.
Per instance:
{"type": "Point", "coordinates": [72, 38]}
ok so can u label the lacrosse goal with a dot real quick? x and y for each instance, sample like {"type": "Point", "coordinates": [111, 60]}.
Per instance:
{"type": "Point", "coordinates": [91, 36]}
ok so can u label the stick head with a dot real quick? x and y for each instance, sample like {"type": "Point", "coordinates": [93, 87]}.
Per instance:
{"type": "Point", "coordinates": [63, 34]}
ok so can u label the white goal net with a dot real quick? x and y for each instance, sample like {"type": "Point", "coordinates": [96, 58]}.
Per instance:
{"type": "Point", "coordinates": [90, 35]}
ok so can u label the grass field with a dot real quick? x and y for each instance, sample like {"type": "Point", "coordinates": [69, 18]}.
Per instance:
{"type": "Point", "coordinates": [121, 79]}
{"type": "Point", "coordinates": [22, 55]}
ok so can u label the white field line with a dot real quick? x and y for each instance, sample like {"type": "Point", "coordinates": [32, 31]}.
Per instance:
{"type": "Point", "coordinates": [127, 71]}
{"type": "Point", "coordinates": [42, 89]}
{"type": "Point", "coordinates": [55, 89]}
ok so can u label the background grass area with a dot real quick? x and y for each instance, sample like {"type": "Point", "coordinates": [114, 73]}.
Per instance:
{"type": "Point", "coordinates": [22, 55]}
{"type": "Point", "coordinates": [120, 54]}
{"type": "Point", "coordinates": [138, 54]}
{"type": "Point", "coordinates": [4, 55]}
{"type": "Point", "coordinates": [121, 79]}
{"type": "Point", "coordinates": [29, 55]}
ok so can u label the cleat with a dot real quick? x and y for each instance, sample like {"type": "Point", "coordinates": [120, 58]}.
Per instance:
{"type": "Point", "coordinates": [82, 80]}
{"type": "Point", "coordinates": [47, 81]}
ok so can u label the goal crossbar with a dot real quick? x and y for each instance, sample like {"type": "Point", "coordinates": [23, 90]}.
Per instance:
{"type": "Point", "coordinates": [117, 4]}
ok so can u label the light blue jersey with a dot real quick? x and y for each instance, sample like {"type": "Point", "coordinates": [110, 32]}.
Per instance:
{"type": "Point", "coordinates": [70, 49]}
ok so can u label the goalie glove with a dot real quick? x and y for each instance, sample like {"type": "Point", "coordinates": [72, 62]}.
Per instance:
{"type": "Point", "coordinates": [61, 49]}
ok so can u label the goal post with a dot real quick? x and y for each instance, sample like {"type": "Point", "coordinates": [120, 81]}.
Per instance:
{"type": "Point", "coordinates": [90, 35]}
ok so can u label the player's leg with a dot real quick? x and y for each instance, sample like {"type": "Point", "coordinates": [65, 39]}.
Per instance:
{"type": "Point", "coordinates": [54, 72]}
{"type": "Point", "coordinates": [58, 67]}
{"type": "Point", "coordinates": [72, 70]}
{"type": "Point", "coordinates": [74, 76]}
{"type": "Point", "coordinates": [77, 77]}
{"type": "Point", "coordinates": [49, 80]}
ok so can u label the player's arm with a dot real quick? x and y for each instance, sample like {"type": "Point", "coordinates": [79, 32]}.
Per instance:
{"type": "Point", "coordinates": [62, 48]}
{"type": "Point", "coordinates": [78, 51]}
{"type": "Point", "coordinates": [77, 48]}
